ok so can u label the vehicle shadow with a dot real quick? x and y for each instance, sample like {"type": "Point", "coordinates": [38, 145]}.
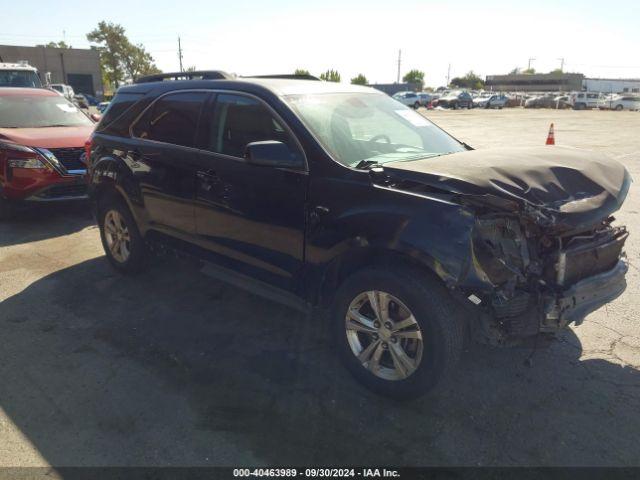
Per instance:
{"type": "Point", "coordinates": [173, 368]}
{"type": "Point", "coordinates": [46, 221]}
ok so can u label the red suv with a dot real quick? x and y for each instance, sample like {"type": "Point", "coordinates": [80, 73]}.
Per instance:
{"type": "Point", "coordinates": [42, 156]}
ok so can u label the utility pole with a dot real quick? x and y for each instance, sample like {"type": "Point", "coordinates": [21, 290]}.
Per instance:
{"type": "Point", "coordinates": [399, 62]}
{"type": "Point", "coordinates": [561, 64]}
{"type": "Point", "coordinates": [448, 75]}
{"type": "Point", "coordinates": [529, 64]}
{"type": "Point", "coordinates": [180, 54]}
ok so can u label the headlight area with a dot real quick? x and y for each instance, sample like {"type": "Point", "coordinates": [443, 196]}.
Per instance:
{"type": "Point", "coordinates": [23, 169]}
{"type": "Point", "coordinates": [539, 283]}
{"type": "Point", "coordinates": [504, 257]}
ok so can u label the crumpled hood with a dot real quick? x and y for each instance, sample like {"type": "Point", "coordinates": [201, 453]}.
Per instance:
{"type": "Point", "coordinates": [566, 186]}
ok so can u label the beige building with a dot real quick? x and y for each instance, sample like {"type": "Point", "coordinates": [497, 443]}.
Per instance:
{"type": "Point", "coordinates": [78, 67]}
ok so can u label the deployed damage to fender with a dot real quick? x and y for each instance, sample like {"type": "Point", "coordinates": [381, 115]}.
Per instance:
{"type": "Point", "coordinates": [543, 251]}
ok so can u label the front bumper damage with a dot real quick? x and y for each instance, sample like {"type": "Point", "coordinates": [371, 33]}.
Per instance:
{"type": "Point", "coordinates": [536, 283]}
{"type": "Point", "coordinates": [584, 297]}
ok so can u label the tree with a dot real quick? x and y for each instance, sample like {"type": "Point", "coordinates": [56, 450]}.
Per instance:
{"type": "Point", "coordinates": [515, 71]}
{"type": "Point", "coordinates": [330, 76]}
{"type": "Point", "coordinates": [470, 80]}
{"type": "Point", "coordinates": [301, 71]}
{"type": "Point", "coordinates": [557, 71]}
{"type": "Point", "coordinates": [415, 76]}
{"type": "Point", "coordinates": [359, 79]}
{"type": "Point", "coordinates": [119, 58]}
{"type": "Point", "coordinates": [60, 44]}
{"type": "Point", "coordinates": [529, 71]}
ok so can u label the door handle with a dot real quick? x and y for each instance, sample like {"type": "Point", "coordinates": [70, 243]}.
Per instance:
{"type": "Point", "coordinates": [207, 179]}
{"type": "Point", "coordinates": [208, 174]}
{"type": "Point", "coordinates": [317, 213]}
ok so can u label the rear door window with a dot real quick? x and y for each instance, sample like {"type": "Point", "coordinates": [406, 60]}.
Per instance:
{"type": "Point", "coordinates": [172, 119]}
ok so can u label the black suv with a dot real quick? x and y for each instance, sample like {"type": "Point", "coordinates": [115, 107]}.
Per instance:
{"type": "Point", "coordinates": [341, 197]}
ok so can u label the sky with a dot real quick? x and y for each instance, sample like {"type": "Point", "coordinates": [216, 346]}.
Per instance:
{"type": "Point", "coordinates": [597, 38]}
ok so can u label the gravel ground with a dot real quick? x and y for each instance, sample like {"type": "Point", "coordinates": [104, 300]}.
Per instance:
{"type": "Point", "coordinates": [174, 368]}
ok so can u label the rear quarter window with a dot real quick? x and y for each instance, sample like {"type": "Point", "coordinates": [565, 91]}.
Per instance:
{"type": "Point", "coordinates": [172, 119]}
{"type": "Point", "coordinates": [118, 106]}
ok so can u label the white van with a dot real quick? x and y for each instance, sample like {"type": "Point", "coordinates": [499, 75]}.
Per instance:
{"type": "Point", "coordinates": [584, 100]}
{"type": "Point", "coordinates": [19, 74]}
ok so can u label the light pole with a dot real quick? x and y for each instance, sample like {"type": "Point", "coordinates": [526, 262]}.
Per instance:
{"type": "Point", "coordinates": [529, 64]}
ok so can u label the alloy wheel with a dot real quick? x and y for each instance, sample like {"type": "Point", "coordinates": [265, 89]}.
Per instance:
{"type": "Point", "coordinates": [384, 335]}
{"type": "Point", "coordinates": [117, 236]}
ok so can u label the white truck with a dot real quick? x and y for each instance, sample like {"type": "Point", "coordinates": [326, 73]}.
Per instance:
{"type": "Point", "coordinates": [19, 74]}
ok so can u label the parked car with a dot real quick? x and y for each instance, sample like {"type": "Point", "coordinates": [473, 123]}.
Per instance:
{"type": "Point", "coordinates": [91, 100]}
{"type": "Point", "coordinates": [456, 99]}
{"type": "Point", "coordinates": [490, 101]}
{"type": "Point", "coordinates": [584, 100]}
{"type": "Point", "coordinates": [19, 75]}
{"type": "Point", "coordinates": [42, 137]}
{"type": "Point", "coordinates": [80, 100]}
{"type": "Point", "coordinates": [102, 106]}
{"type": "Point", "coordinates": [623, 102]}
{"type": "Point", "coordinates": [562, 102]}
{"type": "Point", "coordinates": [410, 99]}
{"type": "Point", "coordinates": [542, 101]}
{"type": "Point", "coordinates": [337, 196]}
{"type": "Point", "coordinates": [65, 90]}
{"type": "Point", "coordinates": [425, 99]}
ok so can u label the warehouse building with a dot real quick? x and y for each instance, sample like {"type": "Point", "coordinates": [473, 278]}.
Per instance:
{"type": "Point", "coordinates": [537, 82]}
{"type": "Point", "coordinates": [612, 85]}
{"type": "Point", "coordinates": [78, 67]}
{"type": "Point", "coordinates": [392, 88]}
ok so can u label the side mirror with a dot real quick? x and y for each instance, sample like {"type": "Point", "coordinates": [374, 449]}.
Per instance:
{"type": "Point", "coordinates": [95, 117]}
{"type": "Point", "coordinates": [271, 153]}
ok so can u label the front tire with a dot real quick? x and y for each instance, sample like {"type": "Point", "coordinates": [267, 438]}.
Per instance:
{"type": "Point", "coordinates": [124, 247]}
{"type": "Point", "coordinates": [396, 331]}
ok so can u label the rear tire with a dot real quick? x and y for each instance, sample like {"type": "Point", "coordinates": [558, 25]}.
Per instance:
{"type": "Point", "coordinates": [619, 107]}
{"type": "Point", "coordinates": [412, 296]}
{"type": "Point", "coordinates": [416, 105]}
{"type": "Point", "coordinates": [124, 247]}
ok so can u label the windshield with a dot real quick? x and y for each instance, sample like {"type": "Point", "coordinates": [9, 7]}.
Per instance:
{"type": "Point", "coordinates": [357, 127]}
{"type": "Point", "coordinates": [19, 78]}
{"type": "Point", "coordinates": [39, 111]}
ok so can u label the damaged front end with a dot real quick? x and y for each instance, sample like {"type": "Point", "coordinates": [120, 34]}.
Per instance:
{"type": "Point", "coordinates": [542, 250]}
{"type": "Point", "coordinates": [541, 280]}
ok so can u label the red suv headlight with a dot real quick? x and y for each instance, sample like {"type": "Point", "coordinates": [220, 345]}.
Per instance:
{"type": "Point", "coordinates": [20, 156]}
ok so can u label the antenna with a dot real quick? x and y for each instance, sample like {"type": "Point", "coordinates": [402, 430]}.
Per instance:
{"type": "Point", "coordinates": [180, 54]}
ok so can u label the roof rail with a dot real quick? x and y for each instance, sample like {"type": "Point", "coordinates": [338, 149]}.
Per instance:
{"type": "Point", "coordinates": [197, 75]}
{"type": "Point", "coordinates": [290, 76]}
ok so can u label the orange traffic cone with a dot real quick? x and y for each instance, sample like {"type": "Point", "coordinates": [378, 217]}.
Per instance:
{"type": "Point", "coordinates": [551, 140]}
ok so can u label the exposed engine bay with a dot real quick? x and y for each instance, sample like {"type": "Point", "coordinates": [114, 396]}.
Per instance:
{"type": "Point", "coordinates": [543, 247]}
{"type": "Point", "coordinates": [537, 276]}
